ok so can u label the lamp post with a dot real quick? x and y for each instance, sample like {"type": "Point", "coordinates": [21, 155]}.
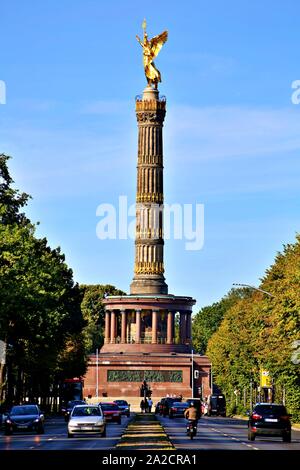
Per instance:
{"type": "Point", "coordinates": [253, 287]}
{"type": "Point", "coordinates": [192, 373]}
{"type": "Point", "coordinates": [97, 358]}
{"type": "Point", "coordinates": [270, 295]}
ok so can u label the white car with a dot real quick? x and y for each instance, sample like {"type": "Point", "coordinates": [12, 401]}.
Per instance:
{"type": "Point", "coordinates": [86, 419]}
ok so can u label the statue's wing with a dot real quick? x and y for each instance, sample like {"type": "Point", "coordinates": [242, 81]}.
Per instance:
{"type": "Point", "coordinates": [157, 42]}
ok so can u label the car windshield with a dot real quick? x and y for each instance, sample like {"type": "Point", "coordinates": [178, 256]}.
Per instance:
{"type": "Point", "coordinates": [24, 410]}
{"type": "Point", "coordinates": [121, 402]}
{"type": "Point", "coordinates": [73, 403]}
{"type": "Point", "coordinates": [108, 407]}
{"type": "Point", "coordinates": [270, 410]}
{"type": "Point", "coordinates": [180, 404]}
{"type": "Point", "coordinates": [86, 411]}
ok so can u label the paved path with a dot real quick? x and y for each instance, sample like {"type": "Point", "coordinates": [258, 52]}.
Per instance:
{"type": "Point", "coordinates": [144, 433]}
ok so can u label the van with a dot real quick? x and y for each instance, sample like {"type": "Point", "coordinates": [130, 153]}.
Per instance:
{"type": "Point", "coordinates": [216, 405]}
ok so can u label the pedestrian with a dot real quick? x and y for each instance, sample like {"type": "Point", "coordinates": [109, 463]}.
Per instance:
{"type": "Point", "coordinates": [150, 403]}
{"type": "Point", "coordinates": [142, 406]}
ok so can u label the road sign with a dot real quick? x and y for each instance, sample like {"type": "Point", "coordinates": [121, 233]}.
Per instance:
{"type": "Point", "coordinates": [265, 379]}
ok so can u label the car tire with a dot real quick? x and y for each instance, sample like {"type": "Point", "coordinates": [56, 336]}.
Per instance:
{"type": "Point", "coordinates": [40, 430]}
{"type": "Point", "coordinates": [7, 433]}
{"type": "Point", "coordinates": [70, 435]}
{"type": "Point", "coordinates": [119, 421]}
{"type": "Point", "coordinates": [128, 415]}
{"type": "Point", "coordinates": [251, 436]}
{"type": "Point", "coordinates": [103, 434]}
{"type": "Point", "coordinates": [286, 437]}
{"type": "Point", "coordinates": [171, 416]}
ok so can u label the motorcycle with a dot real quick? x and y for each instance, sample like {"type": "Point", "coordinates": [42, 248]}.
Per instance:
{"type": "Point", "coordinates": [191, 428]}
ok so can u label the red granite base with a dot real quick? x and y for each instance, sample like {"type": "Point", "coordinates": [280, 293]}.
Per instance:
{"type": "Point", "coordinates": [165, 364]}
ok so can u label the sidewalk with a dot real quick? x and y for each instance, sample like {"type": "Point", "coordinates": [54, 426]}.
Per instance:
{"type": "Point", "coordinates": [144, 432]}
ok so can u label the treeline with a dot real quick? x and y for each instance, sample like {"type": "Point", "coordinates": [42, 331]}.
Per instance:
{"type": "Point", "coordinates": [48, 323]}
{"type": "Point", "coordinates": [249, 331]}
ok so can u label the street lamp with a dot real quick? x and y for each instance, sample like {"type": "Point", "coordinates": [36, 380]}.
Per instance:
{"type": "Point", "coordinates": [192, 373]}
{"type": "Point", "coordinates": [97, 376]}
{"type": "Point", "coordinates": [255, 288]}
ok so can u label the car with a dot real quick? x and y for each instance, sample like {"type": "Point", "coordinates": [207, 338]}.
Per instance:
{"type": "Point", "coordinates": [157, 407]}
{"type": "Point", "coordinates": [197, 404]}
{"type": "Point", "coordinates": [269, 419]}
{"type": "Point", "coordinates": [86, 419]}
{"type": "Point", "coordinates": [66, 410]}
{"type": "Point", "coordinates": [24, 418]}
{"type": "Point", "coordinates": [124, 407]}
{"type": "Point", "coordinates": [178, 408]}
{"type": "Point", "coordinates": [166, 403]}
{"type": "Point", "coordinates": [111, 411]}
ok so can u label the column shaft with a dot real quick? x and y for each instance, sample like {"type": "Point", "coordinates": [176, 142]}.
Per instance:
{"type": "Point", "coordinates": [138, 326]}
{"type": "Point", "coordinates": [113, 327]}
{"type": "Point", "coordinates": [154, 326]}
{"type": "Point", "coordinates": [107, 327]}
{"type": "Point", "coordinates": [170, 328]}
{"type": "Point", "coordinates": [123, 326]}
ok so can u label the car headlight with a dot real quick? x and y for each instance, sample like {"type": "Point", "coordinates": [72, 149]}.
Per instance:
{"type": "Point", "coordinates": [36, 420]}
{"type": "Point", "coordinates": [8, 421]}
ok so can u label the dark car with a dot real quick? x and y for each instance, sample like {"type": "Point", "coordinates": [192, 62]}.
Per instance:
{"type": "Point", "coordinates": [157, 407]}
{"type": "Point", "coordinates": [111, 412]}
{"type": "Point", "coordinates": [67, 410]}
{"type": "Point", "coordinates": [216, 405]}
{"type": "Point", "coordinates": [197, 404]}
{"type": "Point", "coordinates": [269, 419]}
{"type": "Point", "coordinates": [166, 403]}
{"type": "Point", "coordinates": [178, 408]}
{"type": "Point", "coordinates": [124, 407]}
{"type": "Point", "coordinates": [24, 418]}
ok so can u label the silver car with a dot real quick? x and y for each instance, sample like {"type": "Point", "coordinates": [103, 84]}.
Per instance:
{"type": "Point", "coordinates": [85, 419]}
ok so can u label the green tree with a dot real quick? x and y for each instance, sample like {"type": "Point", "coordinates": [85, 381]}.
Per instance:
{"type": "Point", "coordinates": [39, 303]}
{"type": "Point", "coordinates": [209, 318]}
{"type": "Point", "coordinates": [93, 313]}
{"type": "Point", "coordinates": [259, 333]}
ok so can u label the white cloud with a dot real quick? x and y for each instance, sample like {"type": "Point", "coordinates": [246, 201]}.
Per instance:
{"type": "Point", "coordinates": [224, 132]}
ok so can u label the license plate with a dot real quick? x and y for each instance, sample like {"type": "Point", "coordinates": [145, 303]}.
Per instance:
{"type": "Point", "coordinates": [271, 420]}
{"type": "Point", "coordinates": [85, 428]}
{"type": "Point", "coordinates": [22, 426]}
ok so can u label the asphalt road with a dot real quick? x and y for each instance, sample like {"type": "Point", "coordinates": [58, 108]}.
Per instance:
{"type": "Point", "coordinates": [55, 438]}
{"type": "Point", "coordinates": [216, 433]}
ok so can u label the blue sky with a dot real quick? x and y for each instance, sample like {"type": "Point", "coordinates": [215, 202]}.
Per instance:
{"type": "Point", "coordinates": [232, 134]}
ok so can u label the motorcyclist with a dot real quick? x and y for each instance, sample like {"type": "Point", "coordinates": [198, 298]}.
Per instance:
{"type": "Point", "coordinates": [192, 415]}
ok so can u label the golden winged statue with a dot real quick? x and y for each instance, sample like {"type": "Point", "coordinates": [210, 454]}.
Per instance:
{"type": "Point", "coordinates": [151, 49]}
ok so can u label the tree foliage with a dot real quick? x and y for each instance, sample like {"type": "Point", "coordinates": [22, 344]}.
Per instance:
{"type": "Point", "coordinates": [40, 314]}
{"type": "Point", "coordinates": [260, 333]}
{"type": "Point", "coordinates": [93, 313]}
{"type": "Point", "coordinates": [209, 318]}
